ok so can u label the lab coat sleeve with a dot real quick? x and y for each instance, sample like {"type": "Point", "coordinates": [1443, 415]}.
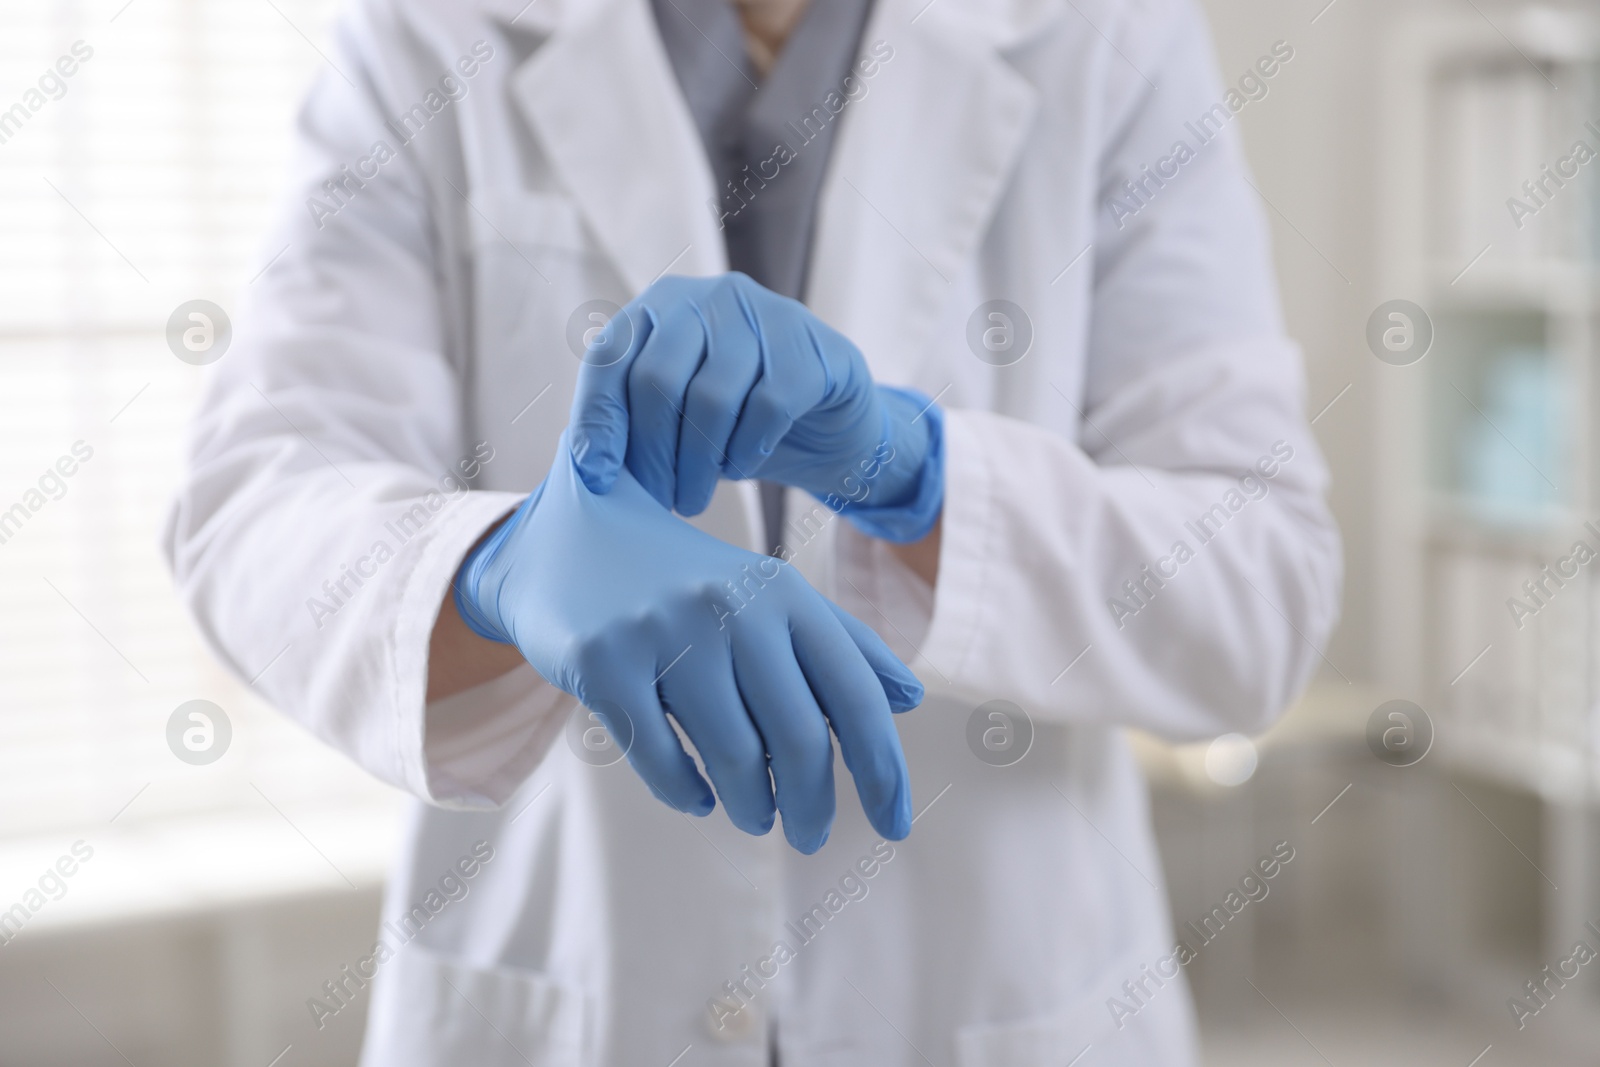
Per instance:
{"type": "Point", "coordinates": [1115, 568]}
{"type": "Point", "coordinates": [329, 495]}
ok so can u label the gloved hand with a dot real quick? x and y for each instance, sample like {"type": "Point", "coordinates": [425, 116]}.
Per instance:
{"type": "Point", "coordinates": [639, 615]}
{"type": "Point", "coordinates": [720, 377]}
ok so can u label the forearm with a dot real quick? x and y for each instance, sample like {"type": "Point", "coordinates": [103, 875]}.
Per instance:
{"type": "Point", "coordinates": [459, 659]}
{"type": "Point", "coordinates": [922, 557]}
{"type": "Point", "coordinates": [1202, 593]}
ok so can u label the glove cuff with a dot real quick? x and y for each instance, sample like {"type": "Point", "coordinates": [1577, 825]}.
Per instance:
{"type": "Point", "coordinates": [469, 584]}
{"type": "Point", "coordinates": [915, 433]}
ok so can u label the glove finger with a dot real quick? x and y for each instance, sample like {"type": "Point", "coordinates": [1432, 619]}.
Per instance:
{"type": "Point", "coordinates": [653, 748]}
{"type": "Point", "coordinates": [699, 691]}
{"type": "Point", "coordinates": [902, 688]}
{"type": "Point", "coordinates": [767, 416]}
{"type": "Point", "coordinates": [599, 416]}
{"type": "Point", "coordinates": [853, 700]}
{"type": "Point", "coordinates": [716, 395]}
{"type": "Point", "coordinates": [657, 383]}
{"type": "Point", "coordinates": [799, 750]}
{"type": "Point", "coordinates": [793, 377]}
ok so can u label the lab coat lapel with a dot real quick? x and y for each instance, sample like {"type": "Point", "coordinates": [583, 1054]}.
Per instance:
{"type": "Point", "coordinates": [919, 163]}
{"type": "Point", "coordinates": [603, 101]}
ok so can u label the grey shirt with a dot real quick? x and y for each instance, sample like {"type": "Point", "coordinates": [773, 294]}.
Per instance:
{"type": "Point", "coordinates": [767, 141]}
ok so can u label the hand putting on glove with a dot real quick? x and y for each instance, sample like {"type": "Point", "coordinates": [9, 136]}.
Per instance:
{"type": "Point", "coordinates": [622, 604]}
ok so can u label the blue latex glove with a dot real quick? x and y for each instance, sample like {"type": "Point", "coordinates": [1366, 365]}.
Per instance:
{"type": "Point", "coordinates": [720, 377]}
{"type": "Point", "coordinates": [633, 611]}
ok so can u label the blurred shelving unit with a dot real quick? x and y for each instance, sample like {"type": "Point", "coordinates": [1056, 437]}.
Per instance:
{"type": "Point", "coordinates": [1489, 220]}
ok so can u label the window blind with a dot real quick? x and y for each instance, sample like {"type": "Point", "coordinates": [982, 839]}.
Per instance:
{"type": "Point", "coordinates": [142, 145]}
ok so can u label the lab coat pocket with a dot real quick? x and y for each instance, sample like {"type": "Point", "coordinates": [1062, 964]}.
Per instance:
{"type": "Point", "coordinates": [1103, 1027]}
{"type": "Point", "coordinates": [440, 1012]}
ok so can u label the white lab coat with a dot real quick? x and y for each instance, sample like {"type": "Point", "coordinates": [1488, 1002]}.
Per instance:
{"type": "Point", "coordinates": [416, 327]}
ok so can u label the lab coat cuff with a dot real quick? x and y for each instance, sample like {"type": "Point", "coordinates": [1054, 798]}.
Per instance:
{"type": "Point", "coordinates": [482, 744]}
{"type": "Point", "coordinates": [426, 585]}
{"type": "Point", "coordinates": [966, 551]}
